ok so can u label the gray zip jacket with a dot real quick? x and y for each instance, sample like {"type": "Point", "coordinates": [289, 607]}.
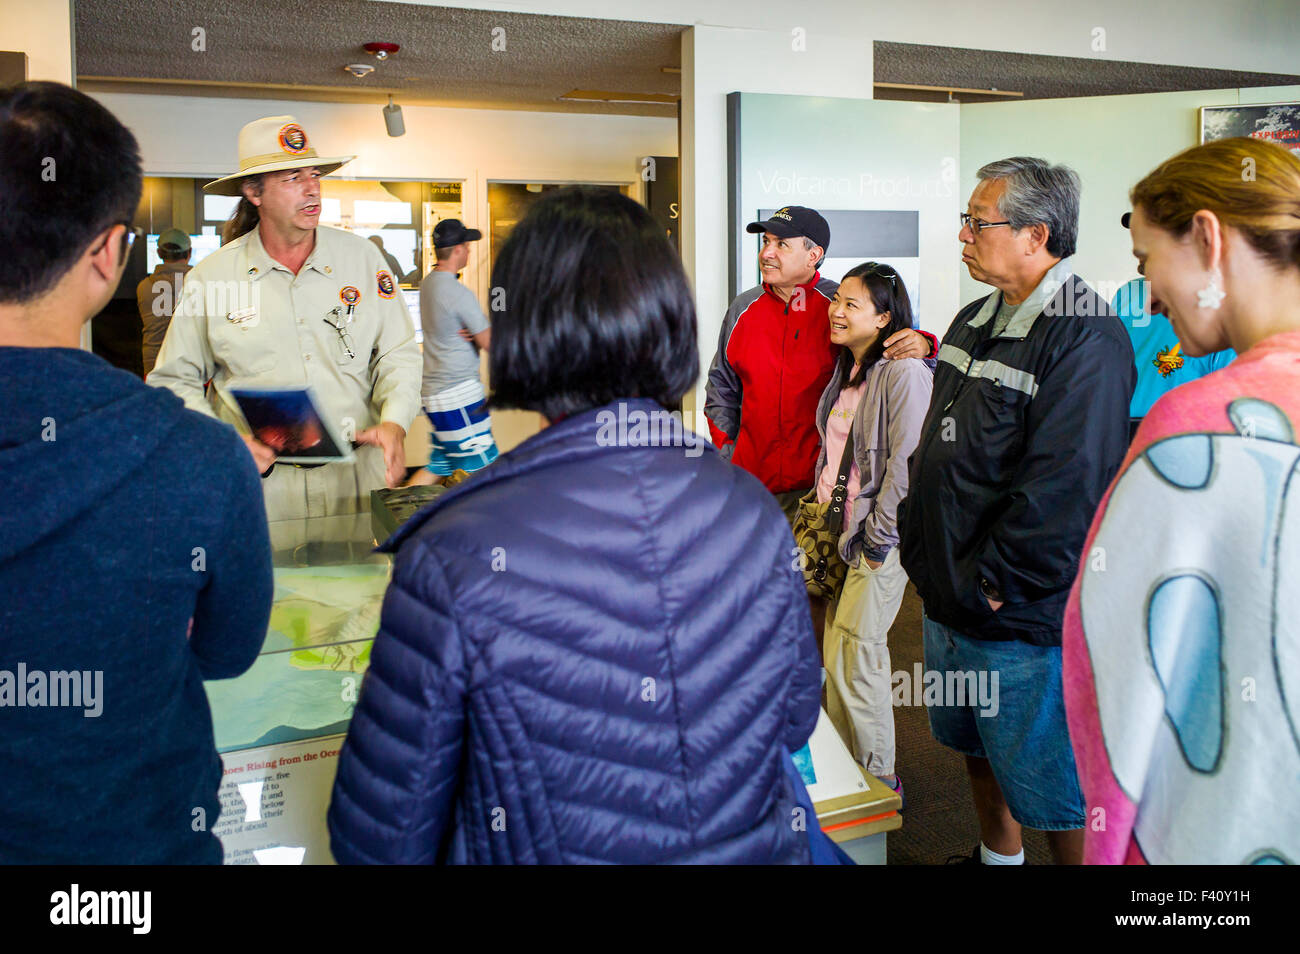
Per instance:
{"type": "Point", "coordinates": [886, 428]}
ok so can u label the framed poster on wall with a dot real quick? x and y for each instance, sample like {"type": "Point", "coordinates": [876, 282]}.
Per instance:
{"type": "Point", "coordinates": [1279, 122]}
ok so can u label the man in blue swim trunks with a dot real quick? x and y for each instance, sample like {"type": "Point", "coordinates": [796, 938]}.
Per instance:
{"type": "Point", "coordinates": [455, 329]}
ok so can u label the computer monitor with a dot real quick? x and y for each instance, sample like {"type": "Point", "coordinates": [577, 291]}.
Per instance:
{"type": "Point", "coordinates": [201, 246]}
{"type": "Point", "coordinates": [412, 296]}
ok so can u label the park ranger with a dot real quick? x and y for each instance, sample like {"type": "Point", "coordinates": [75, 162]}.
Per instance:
{"type": "Point", "coordinates": [290, 303]}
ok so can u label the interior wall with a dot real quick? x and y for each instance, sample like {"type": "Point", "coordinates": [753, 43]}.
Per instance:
{"type": "Point", "coordinates": [44, 32]}
{"type": "Point", "coordinates": [717, 61]}
{"type": "Point", "coordinates": [1111, 141]}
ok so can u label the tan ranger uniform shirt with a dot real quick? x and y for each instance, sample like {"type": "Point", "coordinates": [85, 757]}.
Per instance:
{"type": "Point", "coordinates": [245, 320]}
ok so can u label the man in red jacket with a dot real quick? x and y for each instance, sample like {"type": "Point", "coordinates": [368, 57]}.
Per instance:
{"type": "Point", "coordinates": [775, 357]}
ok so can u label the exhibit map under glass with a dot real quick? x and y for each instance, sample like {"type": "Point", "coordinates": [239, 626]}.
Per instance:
{"type": "Point", "coordinates": [305, 682]}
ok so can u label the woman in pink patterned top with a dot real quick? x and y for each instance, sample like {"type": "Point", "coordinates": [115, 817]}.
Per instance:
{"type": "Point", "coordinates": [1182, 634]}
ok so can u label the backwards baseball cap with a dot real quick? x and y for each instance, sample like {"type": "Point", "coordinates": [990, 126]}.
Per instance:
{"type": "Point", "coordinates": [796, 220]}
{"type": "Point", "coordinates": [173, 241]}
{"type": "Point", "coordinates": [451, 232]}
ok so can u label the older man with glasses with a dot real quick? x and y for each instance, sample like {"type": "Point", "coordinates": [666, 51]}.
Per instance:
{"type": "Point", "coordinates": [1027, 425]}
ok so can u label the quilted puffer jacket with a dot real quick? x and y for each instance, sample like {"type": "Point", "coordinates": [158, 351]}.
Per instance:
{"type": "Point", "coordinates": [590, 652]}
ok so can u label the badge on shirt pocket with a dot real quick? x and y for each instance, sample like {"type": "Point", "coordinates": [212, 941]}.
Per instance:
{"type": "Point", "coordinates": [245, 318]}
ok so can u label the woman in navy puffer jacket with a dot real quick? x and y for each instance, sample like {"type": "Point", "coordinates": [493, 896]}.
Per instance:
{"type": "Point", "coordinates": [598, 649]}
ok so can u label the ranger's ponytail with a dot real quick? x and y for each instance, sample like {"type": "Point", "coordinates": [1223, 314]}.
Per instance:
{"type": "Point", "coordinates": [245, 217]}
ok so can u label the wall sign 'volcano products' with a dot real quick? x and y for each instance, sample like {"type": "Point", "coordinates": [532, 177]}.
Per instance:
{"type": "Point", "coordinates": [1276, 122]}
{"type": "Point", "coordinates": [884, 175]}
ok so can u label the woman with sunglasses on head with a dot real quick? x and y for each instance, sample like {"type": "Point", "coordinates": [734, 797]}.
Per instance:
{"type": "Point", "coordinates": [879, 405]}
{"type": "Point", "coordinates": [1181, 651]}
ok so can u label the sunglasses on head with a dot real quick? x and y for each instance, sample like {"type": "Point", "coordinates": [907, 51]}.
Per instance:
{"type": "Point", "coordinates": [884, 271]}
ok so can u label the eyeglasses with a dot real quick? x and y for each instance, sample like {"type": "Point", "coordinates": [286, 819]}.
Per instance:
{"type": "Point", "coordinates": [129, 237]}
{"type": "Point", "coordinates": [978, 225]}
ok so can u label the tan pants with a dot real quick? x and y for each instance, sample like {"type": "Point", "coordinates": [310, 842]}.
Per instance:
{"type": "Point", "coordinates": [858, 699]}
{"type": "Point", "coordinates": [294, 492]}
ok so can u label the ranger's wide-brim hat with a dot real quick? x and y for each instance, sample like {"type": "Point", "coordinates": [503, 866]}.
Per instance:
{"type": "Point", "coordinates": [273, 144]}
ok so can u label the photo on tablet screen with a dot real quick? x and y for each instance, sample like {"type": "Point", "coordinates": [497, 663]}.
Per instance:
{"type": "Point", "coordinates": [287, 421]}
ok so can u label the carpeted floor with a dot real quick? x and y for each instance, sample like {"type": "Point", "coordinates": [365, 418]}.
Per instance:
{"type": "Point", "coordinates": [939, 819]}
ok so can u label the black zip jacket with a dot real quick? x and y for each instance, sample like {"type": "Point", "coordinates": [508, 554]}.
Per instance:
{"type": "Point", "coordinates": [1025, 432]}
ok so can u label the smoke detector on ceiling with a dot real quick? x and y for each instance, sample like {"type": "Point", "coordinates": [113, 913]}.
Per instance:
{"type": "Point", "coordinates": [359, 70]}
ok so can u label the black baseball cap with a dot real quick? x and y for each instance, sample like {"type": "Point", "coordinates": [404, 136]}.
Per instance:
{"type": "Point", "coordinates": [796, 220]}
{"type": "Point", "coordinates": [451, 232]}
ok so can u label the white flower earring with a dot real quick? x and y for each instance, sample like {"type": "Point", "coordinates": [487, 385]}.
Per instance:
{"type": "Point", "coordinates": [1211, 296]}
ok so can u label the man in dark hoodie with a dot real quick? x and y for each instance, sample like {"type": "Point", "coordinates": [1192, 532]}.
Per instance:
{"type": "Point", "coordinates": [134, 555]}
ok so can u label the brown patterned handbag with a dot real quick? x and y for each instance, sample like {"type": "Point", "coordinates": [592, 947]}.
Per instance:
{"type": "Point", "coordinates": [817, 528]}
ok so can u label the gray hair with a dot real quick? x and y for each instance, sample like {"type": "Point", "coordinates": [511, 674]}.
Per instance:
{"type": "Point", "coordinates": [1038, 191]}
{"type": "Point", "coordinates": [809, 245]}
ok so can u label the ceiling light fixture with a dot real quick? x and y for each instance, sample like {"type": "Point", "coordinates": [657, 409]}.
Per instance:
{"type": "Point", "coordinates": [359, 70]}
{"type": "Point", "coordinates": [393, 118]}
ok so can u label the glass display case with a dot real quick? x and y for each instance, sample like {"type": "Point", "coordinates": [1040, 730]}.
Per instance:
{"type": "Point", "coordinates": [280, 725]}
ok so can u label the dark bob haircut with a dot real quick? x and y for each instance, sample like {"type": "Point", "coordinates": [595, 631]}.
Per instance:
{"type": "Point", "coordinates": [590, 305]}
{"type": "Point", "coordinates": [68, 171]}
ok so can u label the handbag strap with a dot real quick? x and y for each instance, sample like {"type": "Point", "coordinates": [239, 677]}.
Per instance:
{"type": "Point", "coordinates": [841, 490]}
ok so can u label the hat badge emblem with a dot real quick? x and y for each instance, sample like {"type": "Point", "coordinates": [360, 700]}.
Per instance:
{"type": "Point", "coordinates": [292, 139]}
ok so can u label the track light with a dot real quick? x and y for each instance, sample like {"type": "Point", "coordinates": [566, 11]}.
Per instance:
{"type": "Point", "coordinates": [393, 119]}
